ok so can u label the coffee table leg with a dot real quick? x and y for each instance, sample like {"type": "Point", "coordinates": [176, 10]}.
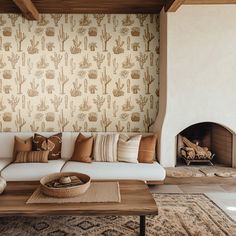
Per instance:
{"type": "Point", "coordinates": [142, 226]}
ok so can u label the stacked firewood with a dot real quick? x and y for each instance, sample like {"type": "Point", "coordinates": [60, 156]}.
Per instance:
{"type": "Point", "coordinates": [193, 151]}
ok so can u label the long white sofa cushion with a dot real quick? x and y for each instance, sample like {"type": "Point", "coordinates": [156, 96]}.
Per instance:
{"type": "Point", "coordinates": [31, 171]}
{"type": "Point", "coordinates": [4, 162]}
{"type": "Point", "coordinates": [118, 170]}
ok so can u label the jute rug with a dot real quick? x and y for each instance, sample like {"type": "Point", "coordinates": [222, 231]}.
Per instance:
{"type": "Point", "coordinates": [180, 214]}
{"type": "Point", "coordinates": [97, 192]}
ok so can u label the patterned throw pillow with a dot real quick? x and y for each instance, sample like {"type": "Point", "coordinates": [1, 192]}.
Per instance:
{"type": "Point", "coordinates": [21, 145]}
{"type": "Point", "coordinates": [147, 149]}
{"type": "Point", "coordinates": [34, 156]}
{"type": "Point", "coordinates": [83, 149]}
{"type": "Point", "coordinates": [105, 147]}
{"type": "Point", "coordinates": [52, 144]}
{"type": "Point", "coordinates": [128, 148]}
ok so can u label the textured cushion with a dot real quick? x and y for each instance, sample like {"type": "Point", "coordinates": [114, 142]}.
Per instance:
{"type": "Point", "coordinates": [31, 171]}
{"type": "Point", "coordinates": [128, 148]}
{"type": "Point", "coordinates": [105, 147]}
{"type": "Point", "coordinates": [118, 170]}
{"type": "Point", "coordinates": [147, 149]}
{"type": "Point", "coordinates": [21, 145]}
{"type": "Point", "coordinates": [33, 156]}
{"type": "Point", "coordinates": [52, 143]}
{"type": "Point", "coordinates": [83, 149]}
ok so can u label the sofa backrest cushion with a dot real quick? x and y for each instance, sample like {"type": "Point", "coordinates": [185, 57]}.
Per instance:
{"type": "Point", "coordinates": [7, 143]}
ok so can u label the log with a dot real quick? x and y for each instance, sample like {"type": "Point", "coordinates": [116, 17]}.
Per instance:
{"type": "Point", "coordinates": [200, 152]}
{"type": "Point", "coordinates": [188, 153]}
{"type": "Point", "coordinates": [183, 153]}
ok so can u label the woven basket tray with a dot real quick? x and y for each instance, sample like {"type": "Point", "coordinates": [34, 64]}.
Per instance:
{"type": "Point", "coordinates": [65, 192]}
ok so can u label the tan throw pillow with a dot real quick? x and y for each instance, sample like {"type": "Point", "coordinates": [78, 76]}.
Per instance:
{"type": "Point", "coordinates": [21, 145]}
{"type": "Point", "coordinates": [33, 156]}
{"type": "Point", "coordinates": [53, 144]}
{"type": "Point", "coordinates": [83, 149]}
{"type": "Point", "coordinates": [105, 147]}
{"type": "Point", "coordinates": [128, 148]}
{"type": "Point", "coordinates": [147, 149]}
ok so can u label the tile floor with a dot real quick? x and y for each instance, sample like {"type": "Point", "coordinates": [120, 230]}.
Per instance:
{"type": "Point", "coordinates": [223, 195]}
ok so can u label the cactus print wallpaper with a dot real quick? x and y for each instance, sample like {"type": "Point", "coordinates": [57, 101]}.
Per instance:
{"type": "Point", "coordinates": [95, 72]}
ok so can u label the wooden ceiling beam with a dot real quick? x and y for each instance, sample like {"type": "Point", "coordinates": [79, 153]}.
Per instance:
{"type": "Point", "coordinates": [89, 6]}
{"type": "Point", "coordinates": [28, 9]}
{"type": "Point", "coordinates": [173, 5]}
{"type": "Point", "coordinates": [206, 2]}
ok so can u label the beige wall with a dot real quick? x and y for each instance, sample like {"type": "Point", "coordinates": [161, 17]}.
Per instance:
{"type": "Point", "coordinates": [200, 73]}
{"type": "Point", "coordinates": [79, 72]}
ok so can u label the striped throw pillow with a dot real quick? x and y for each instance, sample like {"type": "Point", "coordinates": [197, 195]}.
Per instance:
{"type": "Point", "coordinates": [34, 156]}
{"type": "Point", "coordinates": [128, 148]}
{"type": "Point", "coordinates": [105, 147]}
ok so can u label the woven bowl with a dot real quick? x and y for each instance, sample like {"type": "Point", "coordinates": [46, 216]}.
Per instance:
{"type": "Point", "coordinates": [68, 191]}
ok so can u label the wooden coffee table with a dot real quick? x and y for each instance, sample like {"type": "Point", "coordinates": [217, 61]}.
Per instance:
{"type": "Point", "coordinates": [136, 200]}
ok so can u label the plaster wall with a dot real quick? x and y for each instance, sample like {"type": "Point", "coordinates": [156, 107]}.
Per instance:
{"type": "Point", "coordinates": [197, 72]}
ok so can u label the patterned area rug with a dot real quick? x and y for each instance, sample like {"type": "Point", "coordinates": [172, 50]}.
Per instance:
{"type": "Point", "coordinates": [200, 171]}
{"type": "Point", "coordinates": [180, 214]}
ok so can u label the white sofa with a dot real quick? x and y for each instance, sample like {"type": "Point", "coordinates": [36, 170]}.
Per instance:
{"type": "Point", "coordinates": [97, 170]}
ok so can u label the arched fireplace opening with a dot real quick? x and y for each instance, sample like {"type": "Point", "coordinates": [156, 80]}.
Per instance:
{"type": "Point", "coordinates": [210, 139]}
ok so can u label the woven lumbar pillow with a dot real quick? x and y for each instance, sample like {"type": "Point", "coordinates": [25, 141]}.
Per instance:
{"type": "Point", "coordinates": [33, 156]}
{"type": "Point", "coordinates": [105, 147]}
{"type": "Point", "coordinates": [21, 145]}
{"type": "Point", "coordinates": [128, 148]}
{"type": "Point", "coordinates": [83, 149]}
{"type": "Point", "coordinates": [52, 144]}
{"type": "Point", "coordinates": [147, 149]}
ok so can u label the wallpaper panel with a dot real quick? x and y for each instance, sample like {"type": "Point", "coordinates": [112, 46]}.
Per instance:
{"type": "Point", "coordinates": [92, 72]}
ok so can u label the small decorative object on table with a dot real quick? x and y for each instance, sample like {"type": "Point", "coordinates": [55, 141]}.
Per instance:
{"type": "Point", "coordinates": [65, 185]}
{"type": "Point", "coordinates": [3, 184]}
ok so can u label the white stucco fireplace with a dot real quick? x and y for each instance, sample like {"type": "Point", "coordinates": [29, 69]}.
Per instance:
{"type": "Point", "coordinates": [197, 74]}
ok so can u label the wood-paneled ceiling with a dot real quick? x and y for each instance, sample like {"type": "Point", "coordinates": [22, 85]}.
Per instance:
{"type": "Point", "coordinates": [89, 6]}
{"type": "Point", "coordinates": [32, 8]}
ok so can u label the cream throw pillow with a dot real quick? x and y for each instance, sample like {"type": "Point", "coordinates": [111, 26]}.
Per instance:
{"type": "Point", "coordinates": [105, 147]}
{"type": "Point", "coordinates": [128, 148]}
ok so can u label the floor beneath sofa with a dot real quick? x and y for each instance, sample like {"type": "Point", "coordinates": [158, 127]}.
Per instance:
{"type": "Point", "coordinates": [220, 190]}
